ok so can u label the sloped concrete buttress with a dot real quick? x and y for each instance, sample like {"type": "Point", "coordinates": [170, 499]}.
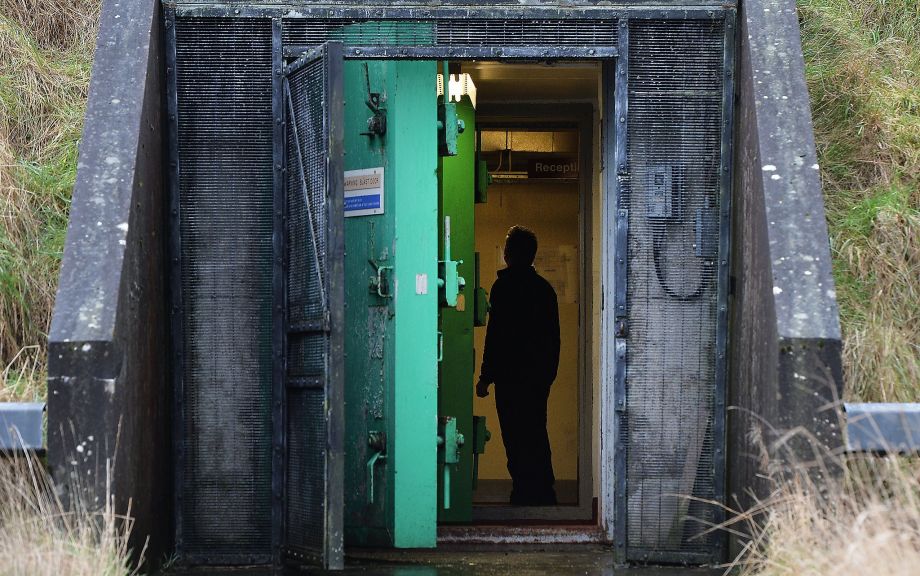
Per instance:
{"type": "Point", "coordinates": [785, 333]}
{"type": "Point", "coordinates": [108, 390]}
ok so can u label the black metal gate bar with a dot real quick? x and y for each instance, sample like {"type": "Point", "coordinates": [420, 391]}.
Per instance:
{"type": "Point", "coordinates": [618, 172]}
{"type": "Point", "coordinates": [362, 12]}
{"type": "Point", "coordinates": [485, 53]}
{"type": "Point", "coordinates": [279, 305]}
{"type": "Point", "coordinates": [725, 235]}
{"type": "Point", "coordinates": [175, 273]}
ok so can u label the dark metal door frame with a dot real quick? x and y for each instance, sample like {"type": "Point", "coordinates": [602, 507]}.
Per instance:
{"type": "Point", "coordinates": [616, 109]}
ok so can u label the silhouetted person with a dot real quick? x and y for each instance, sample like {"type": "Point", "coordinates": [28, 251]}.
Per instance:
{"type": "Point", "coordinates": [521, 357]}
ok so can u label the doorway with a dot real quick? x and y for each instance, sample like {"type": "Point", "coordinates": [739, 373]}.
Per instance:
{"type": "Point", "coordinates": [536, 138]}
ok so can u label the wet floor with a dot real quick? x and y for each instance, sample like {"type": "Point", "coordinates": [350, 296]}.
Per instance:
{"type": "Point", "coordinates": [557, 560]}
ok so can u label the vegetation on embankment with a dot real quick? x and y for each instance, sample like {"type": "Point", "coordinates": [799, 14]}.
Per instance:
{"type": "Point", "coordinates": [46, 51]}
{"type": "Point", "coordinates": [863, 67]}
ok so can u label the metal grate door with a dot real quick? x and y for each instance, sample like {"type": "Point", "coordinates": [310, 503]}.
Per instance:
{"type": "Point", "coordinates": [672, 197]}
{"type": "Point", "coordinates": [314, 414]}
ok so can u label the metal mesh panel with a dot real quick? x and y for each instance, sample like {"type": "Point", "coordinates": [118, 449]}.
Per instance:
{"type": "Point", "coordinates": [497, 32]}
{"type": "Point", "coordinates": [308, 301]}
{"type": "Point", "coordinates": [305, 471]}
{"type": "Point", "coordinates": [306, 149]}
{"type": "Point", "coordinates": [315, 31]}
{"type": "Point", "coordinates": [672, 192]}
{"type": "Point", "coordinates": [455, 32]}
{"type": "Point", "coordinates": [223, 72]}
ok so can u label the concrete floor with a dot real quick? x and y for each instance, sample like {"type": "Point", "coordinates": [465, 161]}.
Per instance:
{"type": "Point", "coordinates": [456, 560]}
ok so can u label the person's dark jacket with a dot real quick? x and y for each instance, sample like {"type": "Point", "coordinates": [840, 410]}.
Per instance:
{"type": "Point", "coordinates": [522, 338]}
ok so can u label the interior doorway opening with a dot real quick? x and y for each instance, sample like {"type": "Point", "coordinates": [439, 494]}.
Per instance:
{"type": "Point", "coordinates": [537, 136]}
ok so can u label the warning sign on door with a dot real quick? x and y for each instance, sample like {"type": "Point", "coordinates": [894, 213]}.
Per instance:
{"type": "Point", "coordinates": [364, 192]}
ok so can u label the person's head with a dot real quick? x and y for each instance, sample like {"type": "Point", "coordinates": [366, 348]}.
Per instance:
{"type": "Point", "coordinates": [520, 246]}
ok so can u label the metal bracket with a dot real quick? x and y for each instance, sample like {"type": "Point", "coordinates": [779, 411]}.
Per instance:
{"type": "Point", "coordinates": [378, 444]}
{"type": "Point", "coordinates": [379, 283]}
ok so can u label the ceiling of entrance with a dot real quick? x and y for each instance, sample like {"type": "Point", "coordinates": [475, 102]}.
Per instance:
{"type": "Point", "coordinates": [499, 82]}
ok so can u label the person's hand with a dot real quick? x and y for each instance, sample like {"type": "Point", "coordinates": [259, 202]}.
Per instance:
{"type": "Point", "coordinates": [482, 388]}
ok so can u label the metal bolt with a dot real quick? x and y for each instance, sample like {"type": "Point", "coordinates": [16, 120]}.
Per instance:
{"type": "Point", "coordinates": [622, 119]}
{"type": "Point", "coordinates": [591, 52]}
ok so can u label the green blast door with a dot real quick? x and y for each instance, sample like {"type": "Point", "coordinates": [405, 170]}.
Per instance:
{"type": "Point", "coordinates": [409, 437]}
{"type": "Point", "coordinates": [455, 324]}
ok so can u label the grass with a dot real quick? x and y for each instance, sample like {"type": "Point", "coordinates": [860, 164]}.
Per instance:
{"type": "Point", "coordinates": [856, 514]}
{"type": "Point", "coordinates": [39, 536]}
{"type": "Point", "coordinates": [863, 70]}
{"type": "Point", "coordinates": [46, 52]}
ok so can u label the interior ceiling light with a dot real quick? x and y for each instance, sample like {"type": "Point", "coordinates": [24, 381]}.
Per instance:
{"type": "Point", "coordinates": [458, 86]}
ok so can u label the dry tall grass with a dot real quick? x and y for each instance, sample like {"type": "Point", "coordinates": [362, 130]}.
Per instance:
{"type": "Point", "coordinates": [39, 537]}
{"type": "Point", "coordinates": [863, 521]}
{"type": "Point", "coordinates": [46, 52]}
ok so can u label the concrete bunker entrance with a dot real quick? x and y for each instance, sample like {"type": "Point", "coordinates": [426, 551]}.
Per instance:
{"type": "Point", "coordinates": [347, 438]}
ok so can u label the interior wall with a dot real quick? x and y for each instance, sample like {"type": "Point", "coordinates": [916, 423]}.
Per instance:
{"type": "Point", "coordinates": [551, 210]}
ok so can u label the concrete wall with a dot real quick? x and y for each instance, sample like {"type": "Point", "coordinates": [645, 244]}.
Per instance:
{"type": "Point", "coordinates": [108, 393]}
{"type": "Point", "coordinates": [785, 333]}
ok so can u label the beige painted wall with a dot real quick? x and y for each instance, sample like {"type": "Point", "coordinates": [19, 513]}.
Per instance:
{"type": "Point", "coordinates": [551, 211]}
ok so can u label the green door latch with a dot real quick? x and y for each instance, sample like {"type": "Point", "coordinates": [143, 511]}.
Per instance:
{"type": "Point", "coordinates": [450, 441]}
{"type": "Point", "coordinates": [450, 283]}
